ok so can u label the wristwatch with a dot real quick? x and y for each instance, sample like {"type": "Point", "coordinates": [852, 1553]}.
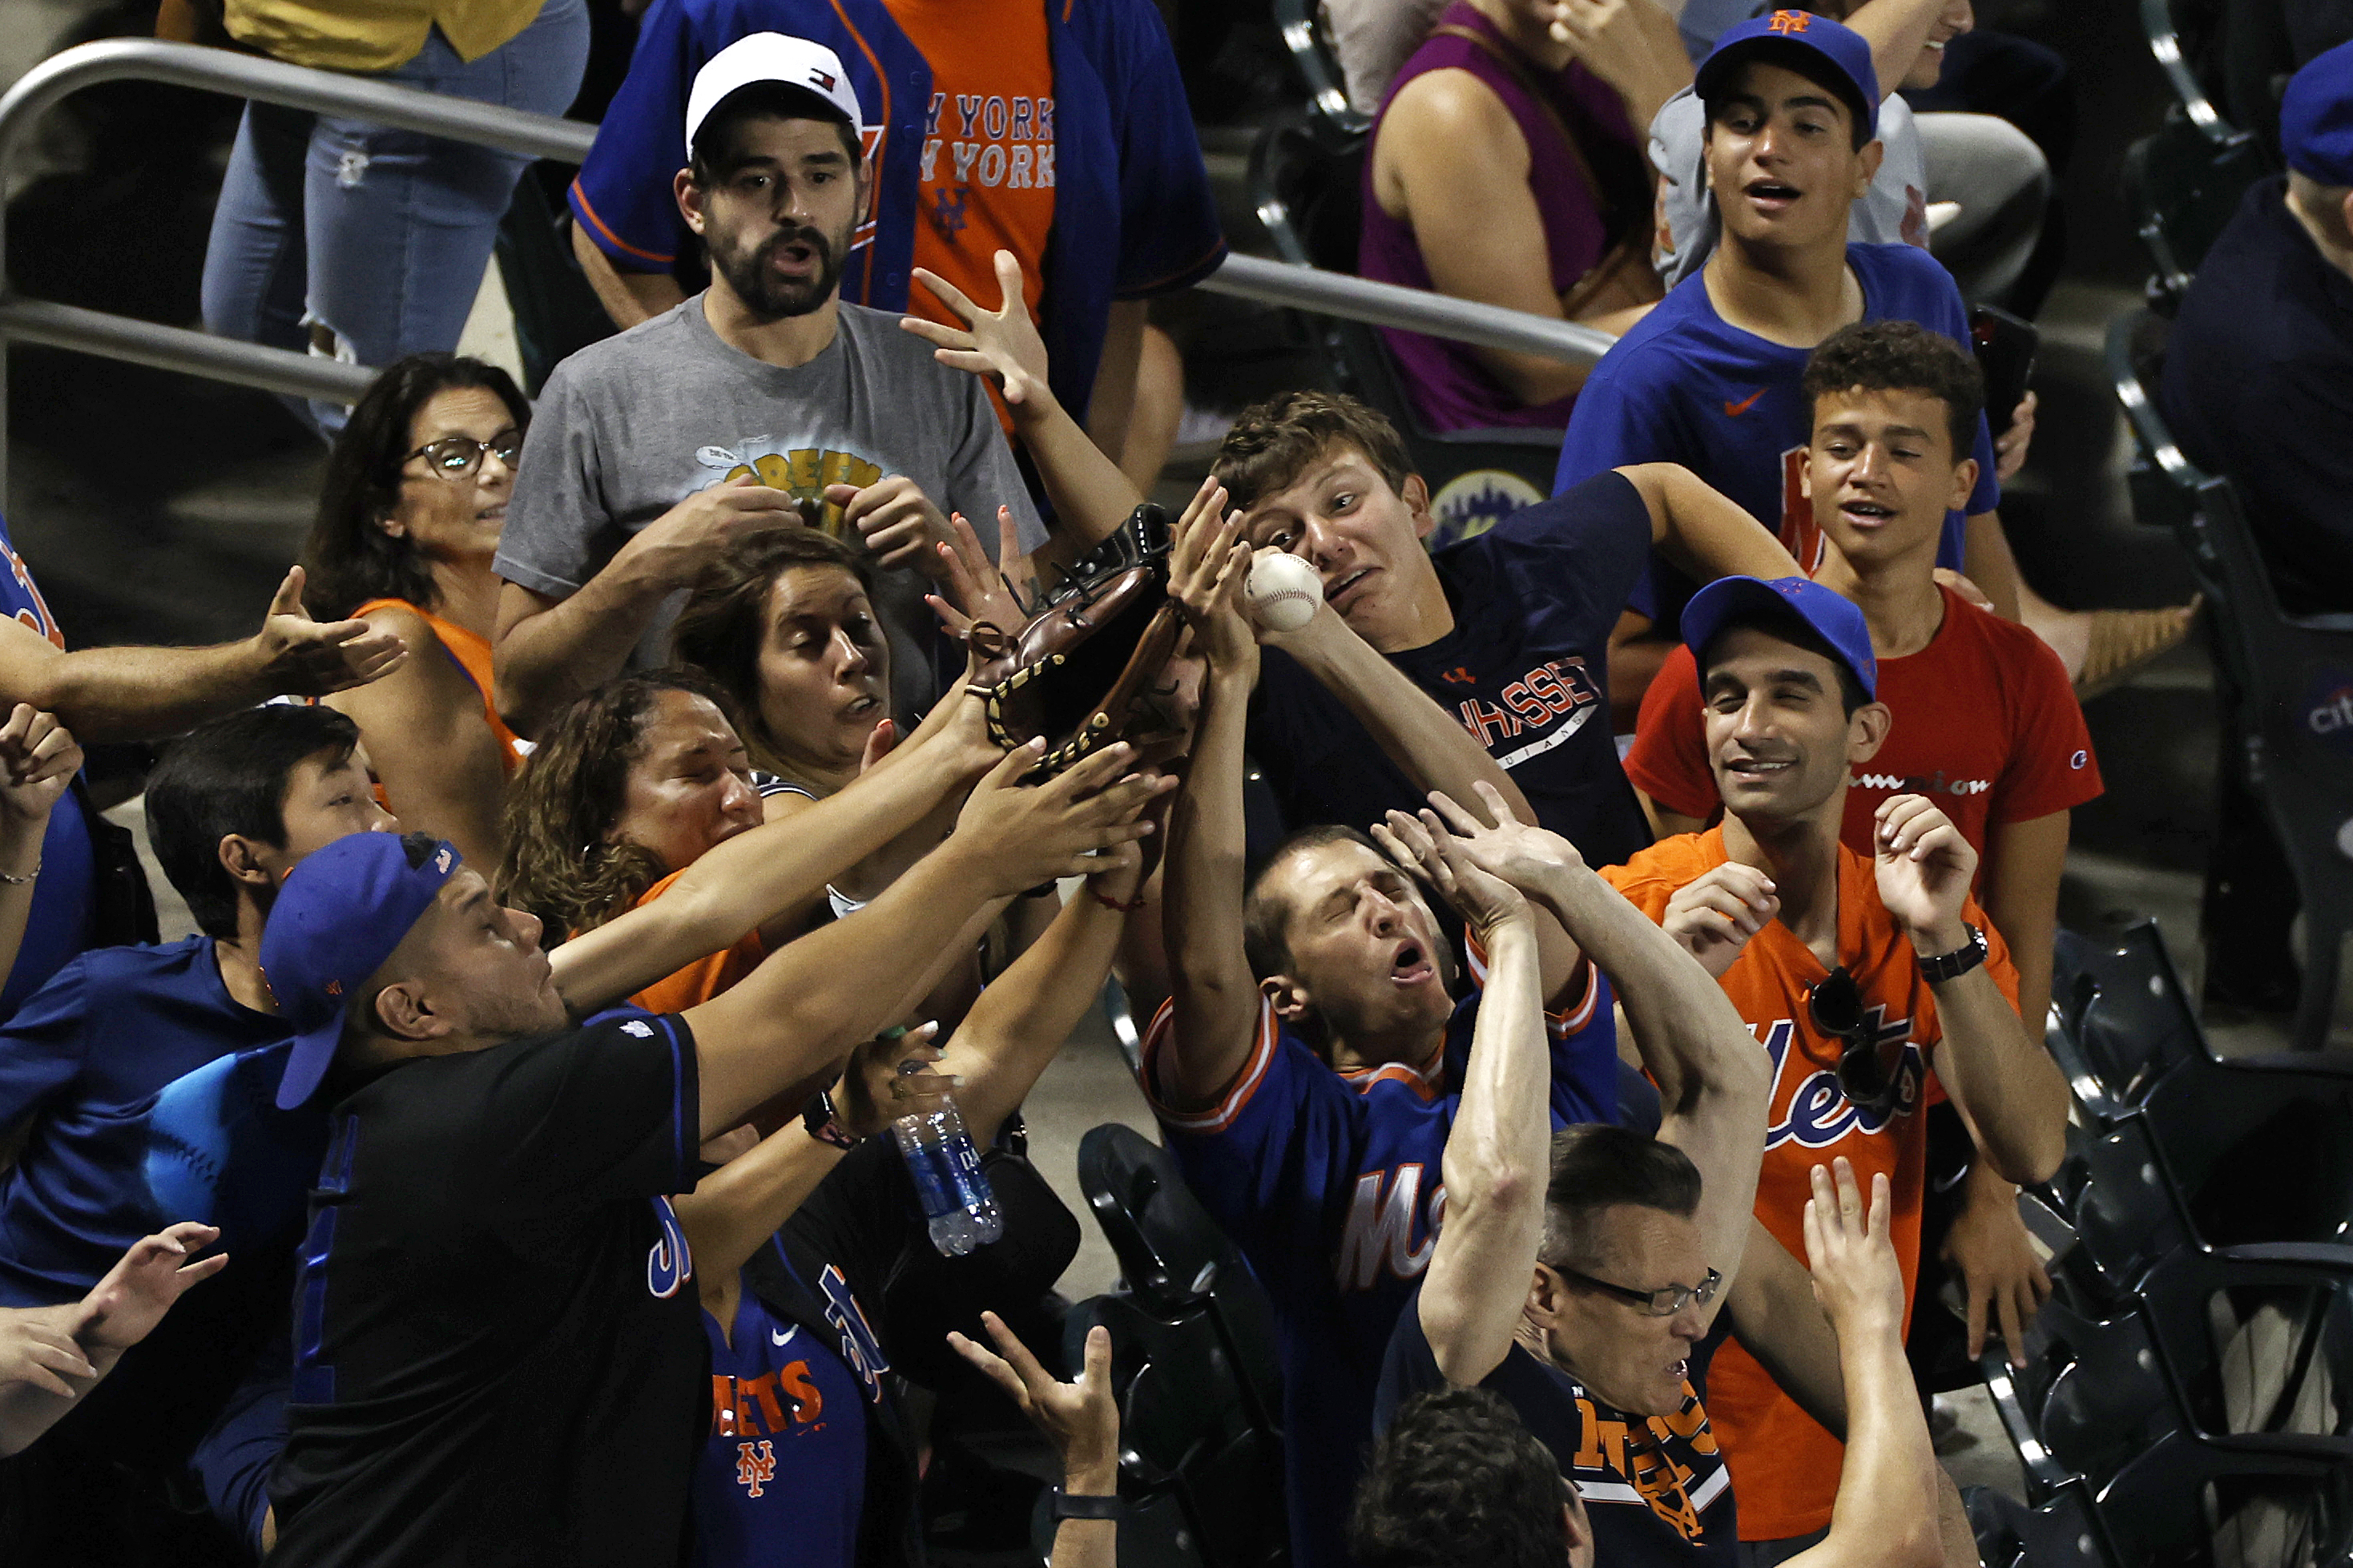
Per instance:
{"type": "Point", "coordinates": [1958, 962]}
{"type": "Point", "coordinates": [1083, 1507]}
{"type": "Point", "coordinates": [818, 1118]}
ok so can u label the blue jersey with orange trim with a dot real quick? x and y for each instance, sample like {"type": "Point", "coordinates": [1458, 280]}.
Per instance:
{"type": "Point", "coordinates": [1123, 158]}
{"type": "Point", "coordinates": [64, 898]}
{"type": "Point", "coordinates": [1330, 1185]}
{"type": "Point", "coordinates": [1684, 386]}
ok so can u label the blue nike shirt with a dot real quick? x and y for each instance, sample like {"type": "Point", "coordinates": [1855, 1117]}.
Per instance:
{"type": "Point", "coordinates": [1330, 1185]}
{"type": "Point", "coordinates": [1685, 386]}
{"type": "Point", "coordinates": [84, 1060]}
{"type": "Point", "coordinates": [781, 1482]}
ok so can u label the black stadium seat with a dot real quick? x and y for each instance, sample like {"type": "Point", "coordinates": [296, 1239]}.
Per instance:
{"type": "Point", "coordinates": [1308, 190]}
{"type": "Point", "coordinates": [2285, 680]}
{"type": "Point", "coordinates": [2181, 184]}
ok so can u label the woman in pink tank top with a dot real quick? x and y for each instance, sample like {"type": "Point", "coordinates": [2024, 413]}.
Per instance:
{"type": "Point", "coordinates": [1507, 166]}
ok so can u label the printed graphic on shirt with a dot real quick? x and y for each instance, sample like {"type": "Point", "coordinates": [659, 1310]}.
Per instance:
{"type": "Point", "coordinates": [1619, 1461]}
{"type": "Point", "coordinates": [778, 1403]}
{"type": "Point", "coordinates": [1936, 783]}
{"type": "Point", "coordinates": [1387, 1214]}
{"type": "Point", "coordinates": [668, 1263]}
{"type": "Point", "coordinates": [36, 613]}
{"type": "Point", "coordinates": [801, 472]}
{"type": "Point", "coordinates": [1800, 534]}
{"type": "Point", "coordinates": [860, 1348]}
{"type": "Point", "coordinates": [985, 139]}
{"type": "Point", "coordinates": [1548, 704]}
{"type": "Point", "coordinates": [1816, 1113]}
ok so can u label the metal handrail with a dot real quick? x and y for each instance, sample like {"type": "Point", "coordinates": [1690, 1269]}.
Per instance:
{"type": "Point", "coordinates": [565, 141]}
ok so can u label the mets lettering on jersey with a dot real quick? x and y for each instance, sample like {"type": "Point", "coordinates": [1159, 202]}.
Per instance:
{"type": "Point", "coordinates": [1550, 702]}
{"type": "Point", "coordinates": [860, 1348]}
{"type": "Point", "coordinates": [1385, 1216]}
{"type": "Point", "coordinates": [1619, 1461]}
{"type": "Point", "coordinates": [1817, 1112]}
{"type": "Point", "coordinates": [992, 140]}
{"type": "Point", "coordinates": [755, 1406]}
{"type": "Point", "coordinates": [668, 1263]}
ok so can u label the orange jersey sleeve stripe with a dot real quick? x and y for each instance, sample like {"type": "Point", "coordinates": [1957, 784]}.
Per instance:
{"type": "Point", "coordinates": [1220, 1116]}
{"type": "Point", "coordinates": [610, 238]}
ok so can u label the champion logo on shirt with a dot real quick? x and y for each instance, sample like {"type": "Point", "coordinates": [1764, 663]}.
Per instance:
{"type": "Point", "coordinates": [1935, 783]}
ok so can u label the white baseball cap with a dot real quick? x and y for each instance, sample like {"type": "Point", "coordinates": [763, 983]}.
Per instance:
{"type": "Point", "coordinates": [771, 57]}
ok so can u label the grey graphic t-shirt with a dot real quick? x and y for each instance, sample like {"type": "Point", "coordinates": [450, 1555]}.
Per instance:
{"type": "Point", "coordinates": [630, 427]}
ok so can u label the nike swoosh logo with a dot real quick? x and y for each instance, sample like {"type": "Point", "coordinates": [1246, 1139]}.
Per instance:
{"type": "Point", "coordinates": [785, 1338]}
{"type": "Point", "coordinates": [1737, 409]}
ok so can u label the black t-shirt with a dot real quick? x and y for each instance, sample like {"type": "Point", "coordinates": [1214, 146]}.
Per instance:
{"type": "Point", "coordinates": [1655, 1487]}
{"type": "Point", "coordinates": [2259, 386]}
{"type": "Point", "coordinates": [498, 1356]}
{"type": "Point", "coordinates": [1525, 670]}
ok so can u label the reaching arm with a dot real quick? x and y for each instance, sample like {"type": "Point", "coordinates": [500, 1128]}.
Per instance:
{"type": "Point", "coordinates": [1430, 747]}
{"type": "Point", "coordinates": [1702, 532]}
{"type": "Point", "coordinates": [2000, 1078]}
{"type": "Point", "coordinates": [1713, 1079]}
{"type": "Point", "coordinates": [433, 751]}
{"type": "Point", "coordinates": [1885, 1515]}
{"type": "Point", "coordinates": [133, 693]}
{"type": "Point", "coordinates": [797, 1016]}
{"type": "Point", "coordinates": [1498, 1152]}
{"type": "Point", "coordinates": [52, 1356]}
{"type": "Point", "coordinates": [1896, 30]}
{"type": "Point", "coordinates": [548, 652]}
{"type": "Point", "coordinates": [746, 880]}
{"type": "Point", "coordinates": [1079, 1417]}
{"type": "Point", "coordinates": [628, 297]}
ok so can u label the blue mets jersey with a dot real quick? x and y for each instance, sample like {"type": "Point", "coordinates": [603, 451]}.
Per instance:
{"type": "Point", "coordinates": [64, 899]}
{"type": "Point", "coordinates": [1330, 1184]}
{"type": "Point", "coordinates": [1686, 386]}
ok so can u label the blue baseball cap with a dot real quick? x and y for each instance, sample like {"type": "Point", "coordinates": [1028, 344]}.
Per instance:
{"type": "Point", "coordinates": [2317, 118]}
{"type": "Point", "coordinates": [1839, 623]}
{"type": "Point", "coordinates": [1815, 46]}
{"type": "Point", "coordinates": [338, 917]}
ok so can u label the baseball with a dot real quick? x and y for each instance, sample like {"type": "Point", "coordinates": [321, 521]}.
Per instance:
{"type": "Point", "coordinates": [1282, 592]}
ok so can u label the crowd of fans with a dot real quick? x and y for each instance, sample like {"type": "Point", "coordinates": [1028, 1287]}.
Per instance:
{"type": "Point", "coordinates": [613, 914]}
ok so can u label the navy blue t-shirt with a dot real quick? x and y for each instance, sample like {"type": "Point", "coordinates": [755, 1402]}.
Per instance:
{"type": "Point", "coordinates": [84, 1058]}
{"type": "Point", "coordinates": [1655, 1487]}
{"type": "Point", "coordinates": [1331, 1186]}
{"type": "Point", "coordinates": [1685, 386]}
{"type": "Point", "coordinates": [64, 898]}
{"type": "Point", "coordinates": [1526, 669]}
{"type": "Point", "coordinates": [782, 1479]}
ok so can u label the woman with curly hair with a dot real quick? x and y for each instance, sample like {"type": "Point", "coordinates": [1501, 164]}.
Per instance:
{"type": "Point", "coordinates": [409, 519]}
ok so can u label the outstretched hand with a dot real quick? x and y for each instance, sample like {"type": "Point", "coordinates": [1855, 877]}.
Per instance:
{"type": "Point", "coordinates": [1857, 1279]}
{"type": "Point", "coordinates": [1208, 565]}
{"type": "Point", "coordinates": [1001, 346]}
{"type": "Point", "coordinates": [1424, 846]}
{"type": "Point", "coordinates": [38, 759]}
{"type": "Point", "coordinates": [124, 1308]}
{"type": "Point", "coordinates": [1079, 1417]}
{"type": "Point", "coordinates": [1519, 852]}
{"type": "Point", "coordinates": [1030, 835]}
{"type": "Point", "coordinates": [304, 658]}
{"type": "Point", "coordinates": [975, 588]}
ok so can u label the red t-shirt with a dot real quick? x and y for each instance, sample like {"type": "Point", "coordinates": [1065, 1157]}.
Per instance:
{"type": "Point", "coordinates": [1785, 1468]}
{"type": "Point", "coordinates": [1986, 726]}
{"type": "Point", "coordinates": [987, 180]}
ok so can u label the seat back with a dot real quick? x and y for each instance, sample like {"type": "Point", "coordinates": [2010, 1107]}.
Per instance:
{"type": "Point", "coordinates": [2124, 1011]}
{"type": "Point", "coordinates": [2258, 1341]}
{"type": "Point", "coordinates": [2091, 1392]}
{"type": "Point", "coordinates": [2126, 1212]}
{"type": "Point", "coordinates": [1307, 37]}
{"type": "Point", "coordinates": [2194, 1503]}
{"type": "Point", "coordinates": [2262, 1147]}
{"type": "Point", "coordinates": [2164, 31]}
{"type": "Point", "coordinates": [2182, 186]}
{"type": "Point", "coordinates": [2288, 680]}
{"type": "Point", "coordinates": [2063, 1532]}
{"type": "Point", "coordinates": [1308, 187]}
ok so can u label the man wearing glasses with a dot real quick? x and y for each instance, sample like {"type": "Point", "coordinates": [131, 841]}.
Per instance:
{"type": "Point", "coordinates": [1875, 985]}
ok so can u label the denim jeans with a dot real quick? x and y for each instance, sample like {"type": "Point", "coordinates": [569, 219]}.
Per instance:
{"type": "Point", "coordinates": [377, 237]}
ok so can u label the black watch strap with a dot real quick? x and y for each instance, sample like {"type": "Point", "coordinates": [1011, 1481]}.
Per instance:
{"type": "Point", "coordinates": [1069, 1507]}
{"type": "Point", "coordinates": [1958, 962]}
{"type": "Point", "coordinates": [819, 1120]}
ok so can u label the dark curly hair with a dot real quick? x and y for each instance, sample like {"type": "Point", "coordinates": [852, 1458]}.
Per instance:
{"type": "Point", "coordinates": [1272, 443]}
{"type": "Point", "coordinates": [567, 797]}
{"type": "Point", "coordinates": [348, 559]}
{"type": "Point", "coordinates": [1900, 356]}
{"type": "Point", "coordinates": [719, 633]}
{"type": "Point", "coordinates": [1455, 1479]}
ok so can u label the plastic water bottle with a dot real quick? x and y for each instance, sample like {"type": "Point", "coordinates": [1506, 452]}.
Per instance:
{"type": "Point", "coordinates": [948, 1180]}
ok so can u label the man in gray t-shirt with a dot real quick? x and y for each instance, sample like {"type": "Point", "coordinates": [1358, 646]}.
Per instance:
{"type": "Point", "coordinates": [652, 452]}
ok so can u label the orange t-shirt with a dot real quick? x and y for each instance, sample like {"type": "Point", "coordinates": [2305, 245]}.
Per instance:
{"type": "Point", "coordinates": [703, 979]}
{"type": "Point", "coordinates": [986, 179]}
{"type": "Point", "coordinates": [473, 652]}
{"type": "Point", "coordinates": [1785, 1468]}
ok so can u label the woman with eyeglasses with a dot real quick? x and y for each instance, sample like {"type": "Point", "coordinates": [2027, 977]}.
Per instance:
{"type": "Point", "coordinates": [409, 519]}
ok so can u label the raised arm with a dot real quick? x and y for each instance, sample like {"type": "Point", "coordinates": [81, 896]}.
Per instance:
{"type": "Point", "coordinates": [794, 1019]}
{"type": "Point", "coordinates": [1213, 1000]}
{"type": "Point", "coordinates": [1703, 533]}
{"type": "Point", "coordinates": [1713, 1079]}
{"type": "Point", "coordinates": [1498, 1151]}
{"type": "Point", "coordinates": [133, 693]}
{"type": "Point", "coordinates": [2000, 1078]}
{"type": "Point", "coordinates": [1886, 1511]}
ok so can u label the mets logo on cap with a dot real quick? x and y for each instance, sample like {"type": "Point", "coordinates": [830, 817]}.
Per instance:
{"type": "Point", "coordinates": [1789, 22]}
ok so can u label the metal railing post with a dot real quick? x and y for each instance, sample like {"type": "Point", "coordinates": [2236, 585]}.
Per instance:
{"type": "Point", "coordinates": [566, 140]}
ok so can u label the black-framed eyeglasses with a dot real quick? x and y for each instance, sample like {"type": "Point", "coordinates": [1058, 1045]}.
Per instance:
{"type": "Point", "coordinates": [1835, 1002]}
{"type": "Point", "coordinates": [1664, 1302]}
{"type": "Point", "coordinates": [455, 457]}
